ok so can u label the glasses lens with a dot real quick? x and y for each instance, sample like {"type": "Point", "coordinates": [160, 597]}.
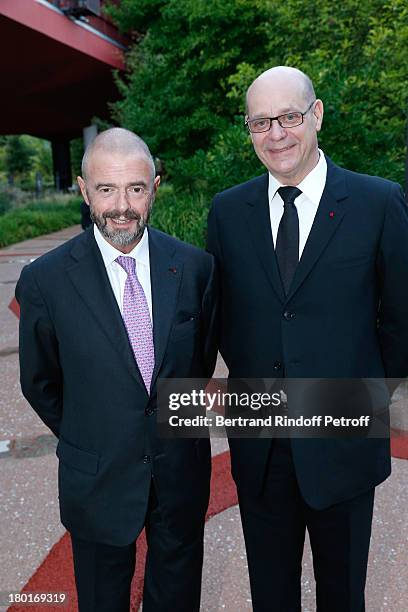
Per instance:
{"type": "Point", "coordinates": [291, 119]}
{"type": "Point", "coordinates": [259, 125]}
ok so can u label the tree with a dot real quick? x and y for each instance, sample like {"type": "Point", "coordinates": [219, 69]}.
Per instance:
{"type": "Point", "coordinates": [193, 60]}
{"type": "Point", "coordinates": [175, 94]}
{"type": "Point", "coordinates": [18, 157]}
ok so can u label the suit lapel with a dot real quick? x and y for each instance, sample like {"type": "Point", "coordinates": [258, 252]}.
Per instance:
{"type": "Point", "coordinates": [89, 277]}
{"type": "Point", "coordinates": [328, 218]}
{"type": "Point", "coordinates": [166, 270]}
{"type": "Point", "coordinates": [259, 225]}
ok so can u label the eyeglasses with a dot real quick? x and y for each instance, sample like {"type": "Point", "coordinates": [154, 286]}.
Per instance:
{"type": "Point", "coordinates": [288, 120]}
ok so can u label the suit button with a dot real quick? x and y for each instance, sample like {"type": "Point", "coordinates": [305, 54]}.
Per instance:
{"type": "Point", "coordinates": [288, 315]}
{"type": "Point", "coordinates": [277, 365]}
{"type": "Point", "coordinates": [149, 411]}
{"type": "Point", "coordinates": [146, 459]}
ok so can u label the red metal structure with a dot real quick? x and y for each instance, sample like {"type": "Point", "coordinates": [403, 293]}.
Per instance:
{"type": "Point", "coordinates": [57, 70]}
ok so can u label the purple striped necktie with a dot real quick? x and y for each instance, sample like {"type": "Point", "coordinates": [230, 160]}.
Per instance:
{"type": "Point", "coordinates": [136, 317]}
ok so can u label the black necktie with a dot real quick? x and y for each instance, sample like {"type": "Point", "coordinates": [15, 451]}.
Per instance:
{"type": "Point", "coordinates": [287, 242]}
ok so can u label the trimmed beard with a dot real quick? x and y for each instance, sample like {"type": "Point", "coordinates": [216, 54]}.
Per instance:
{"type": "Point", "coordinates": [122, 237]}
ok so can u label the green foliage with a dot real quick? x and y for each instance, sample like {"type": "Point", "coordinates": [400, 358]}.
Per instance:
{"type": "Point", "coordinates": [37, 219]}
{"type": "Point", "coordinates": [131, 15]}
{"type": "Point", "coordinates": [181, 214]}
{"type": "Point", "coordinates": [5, 203]}
{"type": "Point", "coordinates": [365, 87]}
{"type": "Point", "coordinates": [18, 156]}
{"type": "Point", "coordinates": [10, 197]}
{"type": "Point", "coordinates": [194, 60]}
{"type": "Point", "coordinates": [42, 158]}
{"type": "Point", "coordinates": [228, 162]}
{"type": "Point", "coordinates": [22, 157]}
{"type": "Point", "coordinates": [77, 152]}
{"type": "Point", "coordinates": [175, 94]}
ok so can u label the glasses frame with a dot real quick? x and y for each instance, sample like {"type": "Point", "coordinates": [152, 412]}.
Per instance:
{"type": "Point", "coordinates": [278, 119]}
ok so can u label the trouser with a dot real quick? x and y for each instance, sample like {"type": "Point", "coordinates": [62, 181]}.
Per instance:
{"type": "Point", "coordinates": [104, 573]}
{"type": "Point", "coordinates": [274, 527]}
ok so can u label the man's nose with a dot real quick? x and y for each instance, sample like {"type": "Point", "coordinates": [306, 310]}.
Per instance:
{"type": "Point", "coordinates": [276, 132]}
{"type": "Point", "coordinates": [122, 202]}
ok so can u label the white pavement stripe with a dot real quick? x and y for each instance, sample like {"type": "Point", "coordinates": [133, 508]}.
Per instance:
{"type": "Point", "coordinates": [4, 446]}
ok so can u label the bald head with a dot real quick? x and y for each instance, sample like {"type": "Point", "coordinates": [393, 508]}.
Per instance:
{"type": "Point", "coordinates": [117, 141]}
{"type": "Point", "coordinates": [280, 76]}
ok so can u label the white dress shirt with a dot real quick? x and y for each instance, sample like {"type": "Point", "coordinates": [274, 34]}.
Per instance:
{"type": "Point", "coordinates": [306, 204]}
{"type": "Point", "coordinates": [117, 275]}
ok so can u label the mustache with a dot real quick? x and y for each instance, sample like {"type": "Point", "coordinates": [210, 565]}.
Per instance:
{"type": "Point", "coordinates": [128, 214]}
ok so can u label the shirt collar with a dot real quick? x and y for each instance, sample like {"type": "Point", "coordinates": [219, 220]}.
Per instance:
{"type": "Point", "coordinates": [312, 185]}
{"type": "Point", "coordinates": [109, 253]}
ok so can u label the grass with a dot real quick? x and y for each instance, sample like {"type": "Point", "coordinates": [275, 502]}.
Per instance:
{"type": "Point", "coordinates": [38, 218]}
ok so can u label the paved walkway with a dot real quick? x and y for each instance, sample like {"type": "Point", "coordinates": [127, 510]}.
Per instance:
{"type": "Point", "coordinates": [29, 519]}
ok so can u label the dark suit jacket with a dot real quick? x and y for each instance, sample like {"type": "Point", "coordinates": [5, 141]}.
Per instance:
{"type": "Point", "coordinates": [79, 374]}
{"type": "Point", "coordinates": [346, 315]}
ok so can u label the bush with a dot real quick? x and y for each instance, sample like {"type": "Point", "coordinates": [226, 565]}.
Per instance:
{"type": "Point", "coordinates": [181, 214]}
{"type": "Point", "coordinates": [181, 208]}
{"type": "Point", "coordinates": [5, 203]}
{"type": "Point", "coordinates": [10, 197]}
{"type": "Point", "coordinates": [37, 219]}
{"type": "Point", "coordinates": [231, 160]}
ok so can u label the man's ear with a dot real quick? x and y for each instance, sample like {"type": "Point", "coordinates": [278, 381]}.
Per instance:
{"type": "Point", "coordinates": [248, 131]}
{"type": "Point", "coordinates": [156, 183]}
{"type": "Point", "coordinates": [82, 187]}
{"type": "Point", "coordinates": [318, 112]}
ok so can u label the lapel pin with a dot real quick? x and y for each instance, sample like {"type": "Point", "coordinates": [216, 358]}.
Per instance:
{"type": "Point", "coordinates": [174, 270]}
{"type": "Point", "coordinates": [331, 214]}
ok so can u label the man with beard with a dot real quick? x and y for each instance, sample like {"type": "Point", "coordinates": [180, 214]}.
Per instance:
{"type": "Point", "coordinates": [102, 318]}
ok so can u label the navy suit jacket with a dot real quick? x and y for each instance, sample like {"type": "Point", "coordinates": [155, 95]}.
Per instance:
{"type": "Point", "coordinates": [79, 374]}
{"type": "Point", "coordinates": [346, 315]}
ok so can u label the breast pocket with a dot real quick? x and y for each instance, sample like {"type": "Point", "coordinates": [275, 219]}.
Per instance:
{"type": "Point", "coordinates": [352, 262]}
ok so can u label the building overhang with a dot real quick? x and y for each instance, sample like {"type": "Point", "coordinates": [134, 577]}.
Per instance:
{"type": "Point", "coordinates": [57, 73]}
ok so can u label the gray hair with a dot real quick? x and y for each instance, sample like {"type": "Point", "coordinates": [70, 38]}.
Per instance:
{"type": "Point", "coordinates": [118, 140]}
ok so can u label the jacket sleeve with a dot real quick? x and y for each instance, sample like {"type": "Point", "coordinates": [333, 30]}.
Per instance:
{"type": "Point", "coordinates": [213, 242]}
{"type": "Point", "coordinates": [393, 275]}
{"type": "Point", "coordinates": [40, 370]}
{"type": "Point", "coordinates": [210, 320]}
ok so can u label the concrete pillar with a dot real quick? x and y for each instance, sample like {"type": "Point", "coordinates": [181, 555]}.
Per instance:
{"type": "Point", "coordinates": [89, 133]}
{"type": "Point", "coordinates": [61, 159]}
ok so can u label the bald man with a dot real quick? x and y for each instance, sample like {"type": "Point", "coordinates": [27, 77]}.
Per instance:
{"type": "Point", "coordinates": [313, 262]}
{"type": "Point", "coordinates": [103, 318]}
